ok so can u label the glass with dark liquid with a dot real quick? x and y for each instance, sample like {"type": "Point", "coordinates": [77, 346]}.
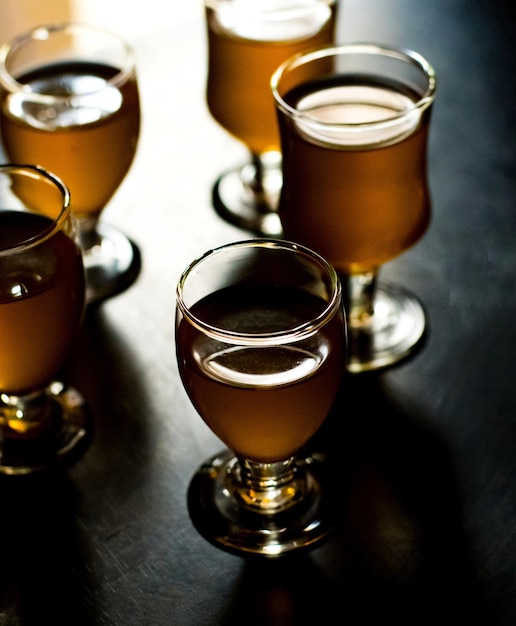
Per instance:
{"type": "Point", "coordinates": [354, 124]}
{"type": "Point", "coordinates": [247, 40]}
{"type": "Point", "coordinates": [260, 339]}
{"type": "Point", "coordinates": [69, 101]}
{"type": "Point", "coordinates": [43, 423]}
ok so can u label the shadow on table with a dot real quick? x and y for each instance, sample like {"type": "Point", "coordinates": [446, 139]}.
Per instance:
{"type": "Point", "coordinates": [43, 576]}
{"type": "Point", "coordinates": [106, 370]}
{"type": "Point", "coordinates": [400, 554]}
{"type": "Point", "coordinates": [49, 556]}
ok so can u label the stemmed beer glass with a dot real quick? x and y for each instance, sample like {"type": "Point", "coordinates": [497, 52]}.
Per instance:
{"type": "Point", "coordinates": [247, 40]}
{"type": "Point", "coordinates": [354, 122]}
{"type": "Point", "coordinates": [43, 423]}
{"type": "Point", "coordinates": [260, 339]}
{"type": "Point", "coordinates": [70, 103]}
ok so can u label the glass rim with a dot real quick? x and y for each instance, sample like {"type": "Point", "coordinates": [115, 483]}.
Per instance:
{"type": "Point", "coordinates": [288, 335]}
{"type": "Point", "coordinates": [364, 48]}
{"type": "Point", "coordinates": [216, 4]}
{"type": "Point", "coordinates": [42, 33]}
{"type": "Point", "coordinates": [36, 172]}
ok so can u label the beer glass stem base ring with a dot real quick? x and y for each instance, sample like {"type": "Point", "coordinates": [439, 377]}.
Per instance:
{"type": "Point", "coordinates": [394, 331]}
{"type": "Point", "coordinates": [61, 445]}
{"type": "Point", "coordinates": [112, 262]}
{"type": "Point", "coordinates": [248, 196]}
{"type": "Point", "coordinates": [222, 521]}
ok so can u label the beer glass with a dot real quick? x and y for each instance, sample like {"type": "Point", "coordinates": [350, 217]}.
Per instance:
{"type": "Point", "coordinates": [43, 423]}
{"type": "Point", "coordinates": [70, 103]}
{"type": "Point", "coordinates": [260, 339]}
{"type": "Point", "coordinates": [247, 40]}
{"type": "Point", "coordinates": [354, 123]}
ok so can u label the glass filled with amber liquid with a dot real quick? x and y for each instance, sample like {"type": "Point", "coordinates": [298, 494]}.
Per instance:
{"type": "Point", "coordinates": [354, 123]}
{"type": "Point", "coordinates": [43, 422]}
{"type": "Point", "coordinates": [69, 102]}
{"type": "Point", "coordinates": [261, 342]}
{"type": "Point", "coordinates": [247, 41]}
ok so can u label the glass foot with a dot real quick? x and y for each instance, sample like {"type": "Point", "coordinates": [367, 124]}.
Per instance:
{"type": "Point", "coordinates": [218, 517]}
{"type": "Point", "coordinates": [61, 445]}
{"type": "Point", "coordinates": [237, 199]}
{"type": "Point", "coordinates": [395, 331]}
{"type": "Point", "coordinates": [112, 264]}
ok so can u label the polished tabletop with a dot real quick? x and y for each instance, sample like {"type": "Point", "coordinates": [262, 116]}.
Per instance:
{"type": "Point", "coordinates": [426, 450]}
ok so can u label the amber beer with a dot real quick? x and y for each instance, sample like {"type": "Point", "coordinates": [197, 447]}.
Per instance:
{"type": "Point", "coordinates": [354, 159]}
{"type": "Point", "coordinates": [245, 46]}
{"type": "Point", "coordinates": [41, 302]}
{"type": "Point", "coordinates": [66, 138]}
{"type": "Point", "coordinates": [263, 403]}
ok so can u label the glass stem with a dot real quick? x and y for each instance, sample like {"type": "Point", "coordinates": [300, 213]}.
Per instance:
{"type": "Point", "coordinates": [263, 177]}
{"type": "Point", "coordinates": [26, 416]}
{"type": "Point", "coordinates": [269, 487]}
{"type": "Point", "coordinates": [360, 298]}
{"type": "Point", "coordinates": [88, 236]}
{"type": "Point", "coordinates": [259, 174]}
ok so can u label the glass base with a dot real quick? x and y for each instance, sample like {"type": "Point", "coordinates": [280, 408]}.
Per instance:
{"type": "Point", "coordinates": [112, 263]}
{"type": "Point", "coordinates": [236, 200]}
{"type": "Point", "coordinates": [61, 445]}
{"type": "Point", "coordinates": [217, 516]}
{"type": "Point", "coordinates": [395, 331]}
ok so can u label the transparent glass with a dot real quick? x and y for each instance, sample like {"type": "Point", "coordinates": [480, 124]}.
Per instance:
{"type": "Point", "coordinates": [69, 102]}
{"type": "Point", "coordinates": [261, 340]}
{"type": "Point", "coordinates": [354, 123]}
{"type": "Point", "coordinates": [43, 423]}
{"type": "Point", "coordinates": [247, 40]}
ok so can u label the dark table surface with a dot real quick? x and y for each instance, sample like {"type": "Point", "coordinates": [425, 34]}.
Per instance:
{"type": "Point", "coordinates": [426, 449]}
